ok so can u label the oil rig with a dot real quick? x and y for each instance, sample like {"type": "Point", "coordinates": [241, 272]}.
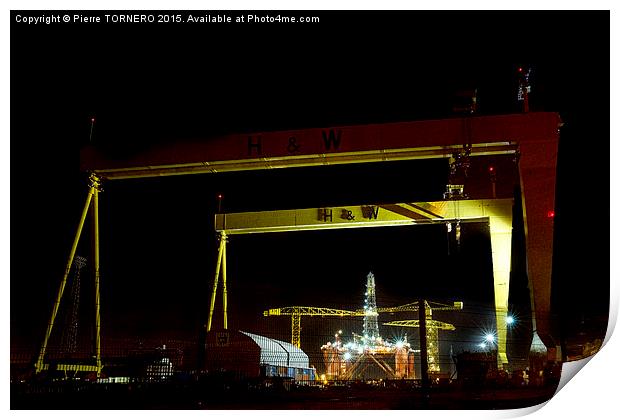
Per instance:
{"type": "Point", "coordinates": [357, 358]}
{"type": "Point", "coordinates": [369, 355]}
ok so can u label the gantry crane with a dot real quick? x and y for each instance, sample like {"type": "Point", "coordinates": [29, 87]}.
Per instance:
{"type": "Point", "coordinates": [533, 138]}
{"type": "Point", "coordinates": [296, 312]}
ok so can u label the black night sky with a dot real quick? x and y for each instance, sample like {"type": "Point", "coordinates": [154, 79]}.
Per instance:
{"type": "Point", "coordinates": [147, 84]}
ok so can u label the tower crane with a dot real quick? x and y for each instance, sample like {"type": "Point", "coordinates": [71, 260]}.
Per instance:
{"type": "Point", "coordinates": [432, 326]}
{"type": "Point", "coordinates": [296, 312]}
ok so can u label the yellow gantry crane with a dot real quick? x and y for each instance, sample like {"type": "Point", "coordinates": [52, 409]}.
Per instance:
{"type": "Point", "coordinates": [296, 312]}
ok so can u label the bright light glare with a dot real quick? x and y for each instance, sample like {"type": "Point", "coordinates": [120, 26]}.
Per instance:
{"type": "Point", "coordinates": [489, 338]}
{"type": "Point", "coordinates": [347, 356]}
{"type": "Point", "coordinates": [482, 345]}
{"type": "Point", "coordinates": [399, 344]}
{"type": "Point", "coordinates": [510, 320]}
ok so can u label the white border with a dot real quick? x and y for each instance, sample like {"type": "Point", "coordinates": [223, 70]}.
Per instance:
{"type": "Point", "coordinates": [589, 396]}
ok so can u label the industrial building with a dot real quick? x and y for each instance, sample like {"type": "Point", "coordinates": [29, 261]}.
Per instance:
{"type": "Point", "coordinates": [245, 355]}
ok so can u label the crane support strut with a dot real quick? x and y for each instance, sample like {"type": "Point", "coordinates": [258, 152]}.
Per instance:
{"type": "Point", "coordinates": [219, 266]}
{"type": "Point", "coordinates": [92, 198]}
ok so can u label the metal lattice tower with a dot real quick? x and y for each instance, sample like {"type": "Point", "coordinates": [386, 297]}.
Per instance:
{"type": "Point", "coordinates": [432, 328]}
{"type": "Point", "coordinates": [371, 324]}
{"type": "Point", "coordinates": [69, 336]}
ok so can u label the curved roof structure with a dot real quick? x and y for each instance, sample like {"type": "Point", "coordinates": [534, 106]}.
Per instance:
{"type": "Point", "coordinates": [279, 353]}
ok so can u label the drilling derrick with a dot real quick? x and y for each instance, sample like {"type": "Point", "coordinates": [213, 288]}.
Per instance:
{"type": "Point", "coordinates": [368, 356]}
{"type": "Point", "coordinates": [371, 324]}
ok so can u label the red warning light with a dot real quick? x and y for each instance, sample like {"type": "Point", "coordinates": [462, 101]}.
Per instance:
{"type": "Point", "coordinates": [550, 214]}
{"type": "Point", "coordinates": [92, 120]}
{"type": "Point", "coordinates": [520, 69]}
{"type": "Point", "coordinates": [491, 169]}
{"type": "Point", "coordinates": [219, 196]}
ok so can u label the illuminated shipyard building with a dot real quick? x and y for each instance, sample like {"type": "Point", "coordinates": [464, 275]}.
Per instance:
{"type": "Point", "coordinates": [243, 355]}
{"type": "Point", "coordinates": [369, 356]}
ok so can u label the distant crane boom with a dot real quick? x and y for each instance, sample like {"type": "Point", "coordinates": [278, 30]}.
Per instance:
{"type": "Point", "coordinates": [296, 312]}
{"type": "Point", "coordinates": [414, 323]}
{"type": "Point", "coordinates": [310, 311]}
{"type": "Point", "coordinates": [413, 306]}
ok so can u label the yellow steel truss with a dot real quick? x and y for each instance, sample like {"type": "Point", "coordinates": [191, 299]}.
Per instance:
{"type": "Point", "coordinates": [311, 311]}
{"type": "Point", "coordinates": [296, 312]}
{"type": "Point", "coordinates": [413, 306]}
{"type": "Point", "coordinates": [93, 196]}
{"type": "Point", "coordinates": [221, 264]}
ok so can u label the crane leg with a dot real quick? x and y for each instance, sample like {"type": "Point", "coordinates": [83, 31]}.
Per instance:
{"type": "Point", "coordinates": [97, 295]}
{"type": "Point", "coordinates": [224, 291]}
{"type": "Point", "coordinates": [296, 330]}
{"type": "Point", "coordinates": [432, 343]}
{"type": "Point", "coordinates": [215, 281]}
{"type": "Point", "coordinates": [422, 317]}
{"type": "Point", "coordinates": [94, 184]}
{"type": "Point", "coordinates": [501, 237]}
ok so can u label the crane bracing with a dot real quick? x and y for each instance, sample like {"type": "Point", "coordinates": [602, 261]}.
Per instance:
{"type": "Point", "coordinates": [296, 312]}
{"type": "Point", "coordinates": [414, 323]}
